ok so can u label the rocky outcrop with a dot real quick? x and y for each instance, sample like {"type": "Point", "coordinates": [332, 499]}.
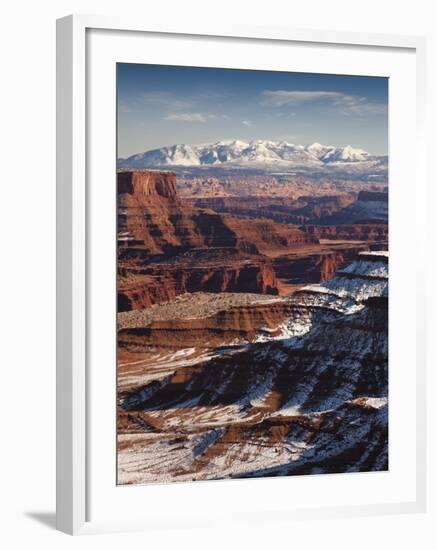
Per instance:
{"type": "Point", "coordinates": [312, 399]}
{"type": "Point", "coordinates": [370, 207]}
{"type": "Point", "coordinates": [167, 247]}
{"type": "Point", "coordinates": [370, 232]}
{"type": "Point", "coordinates": [150, 212]}
{"type": "Point", "coordinates": [339, 217]}
{"type": "Point", "coordinates": [313, 267]}
{"type": "Point", "coordinates": [281, 209]}
{"type": "Point", "coordinates": [143, 285]}
{"type": "Point", "coordinates": [147, 184]}
{"type": "Point", "coordinates": [373, 196]}
{"type": "Point", "coordinates": [240, 324]}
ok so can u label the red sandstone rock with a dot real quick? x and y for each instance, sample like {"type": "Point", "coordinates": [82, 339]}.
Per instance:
{"type": "Point", "coordinates": [147, 184]}
{"type": "Point", "coordinates": [355, 232]}
{"type": "Point", "coordinates": [167, 247]}
{"type": "Point", "coordinates": [283, 209]}
{"type": "Point", "coordinates": [150, 212]}
{"type": "Point", "coordinates": [234, 324]}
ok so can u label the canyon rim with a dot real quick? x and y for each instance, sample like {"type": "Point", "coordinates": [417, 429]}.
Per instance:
{"type": "Point", "coordinates": [252, 274]}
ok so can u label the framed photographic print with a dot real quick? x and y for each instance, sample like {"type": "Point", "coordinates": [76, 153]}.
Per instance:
{"type": "Point", "coordinates": [239, 295]}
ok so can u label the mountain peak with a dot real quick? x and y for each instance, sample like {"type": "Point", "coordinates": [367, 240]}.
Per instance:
{"type": "Point", "coordinates": [259, 153]}
{"type": "Point", "coordinates": [228, 142]}
{"type": "Point", "coordinates": [317, 145]}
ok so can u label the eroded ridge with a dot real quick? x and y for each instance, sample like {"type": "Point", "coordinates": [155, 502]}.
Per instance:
{"type": "Point", "coordinates": [273, 386]}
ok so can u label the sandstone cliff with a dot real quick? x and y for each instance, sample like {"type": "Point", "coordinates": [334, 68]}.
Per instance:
{"type": "Point", "coordinates": [282, 209]}
{"type": "Point", "coordinates": [308, 398]}
{"type": "Point", "coordinates": [167, 247]}
{"type": "Point", "coordinates": [370, 232]}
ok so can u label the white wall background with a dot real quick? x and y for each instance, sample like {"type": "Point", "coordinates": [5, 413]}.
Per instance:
{"type": "Point", "coordinates": [27, 218]}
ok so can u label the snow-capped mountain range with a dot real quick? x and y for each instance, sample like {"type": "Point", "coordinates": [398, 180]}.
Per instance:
{"type": "Point", "coordinates": [257, 153]}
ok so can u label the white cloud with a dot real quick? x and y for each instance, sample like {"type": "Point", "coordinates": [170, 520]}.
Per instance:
{"type": "Point", "coordinates": [347, 104]}
{"type": "Point", "coordinates": [188, 117]}
{"type": "Point", "coordinates": [247, 122]}
{"type": "Point", "coordinates": [286, 97]}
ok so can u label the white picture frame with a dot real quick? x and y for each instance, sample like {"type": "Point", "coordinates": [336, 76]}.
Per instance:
{"type": "Point", "coordinates": [73, 211]}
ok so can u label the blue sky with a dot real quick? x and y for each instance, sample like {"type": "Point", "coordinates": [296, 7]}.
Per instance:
{"type": "Point", "coordinates": [164, 105]}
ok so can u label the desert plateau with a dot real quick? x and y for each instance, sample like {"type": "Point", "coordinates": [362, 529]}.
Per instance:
{"type": "Point", "coordinates": [249, 346]}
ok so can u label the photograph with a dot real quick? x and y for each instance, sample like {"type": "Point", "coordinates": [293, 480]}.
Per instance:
{"type": "Point", "coordinates": [252, 273]}
{"type": "Point", "coordinates": [221, 332]}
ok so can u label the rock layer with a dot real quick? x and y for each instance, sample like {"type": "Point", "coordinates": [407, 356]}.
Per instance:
{"type": "Point", "coordinates": [281, 209]}
{"type": "Point", "coordinates": [369, 232]}
{"type": "Point", "coordinates": [167, 247]}
{"type": "Point", "coordinates": [311, 398]}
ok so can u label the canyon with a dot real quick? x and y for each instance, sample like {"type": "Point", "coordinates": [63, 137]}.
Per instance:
{"type": "Point", "coordinates": [339, 209]}
{"type": "Point", "coordinates": [251, 329]}
{"type": "Point", "coordinates": [169, 245]}
{"type": "Point", "coordinates": [283, 386]}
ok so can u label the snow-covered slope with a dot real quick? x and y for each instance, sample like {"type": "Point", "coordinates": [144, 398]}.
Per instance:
{"type": "Point", "coordinates": [262, 153]}
{"type": "Point", "coordinates": [314, 400]}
